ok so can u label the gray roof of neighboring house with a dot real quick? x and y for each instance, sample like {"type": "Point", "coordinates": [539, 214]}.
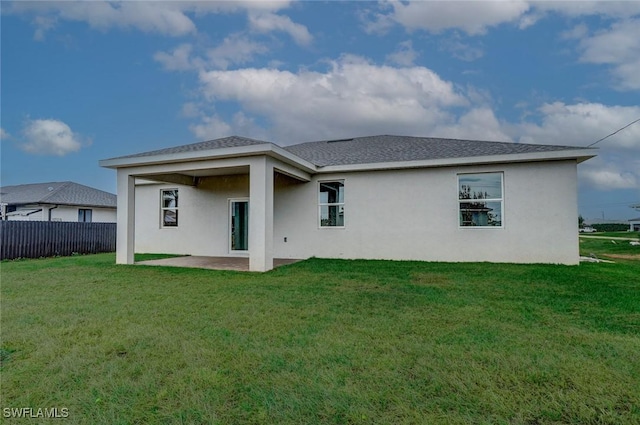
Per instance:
{"type": "Point", "coordinates": [62, 193]}
{"type": "Point", "coordinates": [376, 149]}
{"type": "Point", "coordinates": [225, 142]}
{"type": "Point", "coordinates": [372, 149]}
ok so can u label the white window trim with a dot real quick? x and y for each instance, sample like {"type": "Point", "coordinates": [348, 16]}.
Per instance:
{"type": "Point", "coordinates": [325, 204]}
{"type": "Point", "coordinates": [501, 200]}
{"type": "Point", "coordinates": [163, 208]}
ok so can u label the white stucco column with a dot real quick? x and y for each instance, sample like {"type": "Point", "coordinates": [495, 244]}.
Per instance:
{"type": "Point", "coordinates": [261, 215]}
{"type": "Point", "coordinates": [125, 234]}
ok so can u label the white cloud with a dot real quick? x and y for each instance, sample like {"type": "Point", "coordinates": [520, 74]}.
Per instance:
{"type": "Point", "coordinates": [573, 9]}
{"type": "Point", "coordinates": [210, 128]}
{"type": "Point", "coordinates": [404, 55]}
{"type": "Point", "coordinates": [610, 178]}
{"type": "Point", "coordinates": [582, 124]}
{"type": "Point", "coordinates": [235, 49]}
{"type": "Point", "coordinates": [267, 22]}
{"type": "Point", "coordinates": [158, 17]}
{"type": "Point", "coordinates": [476, 17]}
{"type": "Point", "coordinates": [616, 166]}
{"type": "Point", "coordinates": [162, 17]}
{"type": "Point", "coordinates": [618, 46]}
{"type": "Point", "coordinates": [179, 59]}
{"type": "Point", "coordinates": [49, 137]}
{"type": "Point", "coordinates": [472, 17]}
{"type": "Point", "coordinates": [43, 24]}
{"type": "Point", "coordinates": [576, 33]}
{"type": "Point", "coordinates": [479, 123]}
{"type": "Point", "coordinates": [213, 127]}
{"type": "Point", "coordinates": [620, 43]}
{"type": "Point", "coordinates": [352, 97]}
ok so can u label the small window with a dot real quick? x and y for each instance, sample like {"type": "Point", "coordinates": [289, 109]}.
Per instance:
{"type": "Point", "coordinates": [84, 215]}
{"type": "Point", "coordinates": [480, 200]}
{"type": "Point", "coordinates": [331, 204]}
{"type": "Point", "coordinates": [169, 207]}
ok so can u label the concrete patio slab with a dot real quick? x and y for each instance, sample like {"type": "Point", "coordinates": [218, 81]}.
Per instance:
{"type": "Point", "coordinates": [212, 263]}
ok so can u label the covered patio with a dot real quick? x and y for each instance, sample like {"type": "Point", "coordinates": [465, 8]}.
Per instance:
{"type": "Point", "coordinates": [259, 161]}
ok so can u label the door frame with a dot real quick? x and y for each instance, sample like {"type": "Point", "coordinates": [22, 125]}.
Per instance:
{"type": "Point", "coordinates": [237, 252]}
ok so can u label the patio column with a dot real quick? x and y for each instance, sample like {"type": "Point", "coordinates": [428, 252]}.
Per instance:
{"type": "Point", "coordinates": [261, 215]}
{"type": "Point", "coordinates": [125, 234]}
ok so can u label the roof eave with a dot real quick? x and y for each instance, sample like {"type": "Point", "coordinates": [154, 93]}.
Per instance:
{"type": "Point", "coordinates": [579, 155]}
{"type": "Point", "coordinates": [233, 152]}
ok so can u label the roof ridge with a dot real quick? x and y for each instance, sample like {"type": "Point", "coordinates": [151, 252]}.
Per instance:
{"type": "Point", "coordinates": [433, 138]}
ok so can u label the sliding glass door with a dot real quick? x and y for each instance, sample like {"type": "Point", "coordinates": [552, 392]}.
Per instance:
{"type": "Point", "coordinates": [239, 225]}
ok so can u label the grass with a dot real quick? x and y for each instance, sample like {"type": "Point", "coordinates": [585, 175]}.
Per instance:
{"type": "Point", "coordinates": [145, 257]}
{"type": "Point", "coordinates": [323, 341]}
{"type": "Point", "coordinates": [631, 235]}
{"type": "Point", "coordinates": [611, 249]}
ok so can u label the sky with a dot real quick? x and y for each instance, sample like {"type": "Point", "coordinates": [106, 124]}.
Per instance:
{"type": "Point", "coordinates": [85, 81]}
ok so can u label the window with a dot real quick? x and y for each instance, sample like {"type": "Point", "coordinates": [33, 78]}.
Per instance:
{"type": "Point", "coordinates": [169, 207]}
{"type": "Point", "coordinates": [84, 215]}
{"type": "Point", "coordinates": [331, 204]}
{"type": "Point", "coordinates": [480, 200]}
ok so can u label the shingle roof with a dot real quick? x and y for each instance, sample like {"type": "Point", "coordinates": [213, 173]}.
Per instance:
{"type": "Point", "coordinates": [377, 149]}
{"type": "Point", "coordinates": [64, 193]}
{"type": "Point", "coordinates": [371, 149]}
{"type": "Point", "coordinates": [225, 142]}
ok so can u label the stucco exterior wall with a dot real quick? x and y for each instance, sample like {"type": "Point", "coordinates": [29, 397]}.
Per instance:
{"type": "Point", "coordinates": [203, 217]}
{"type": "Point", "coordinates": [62, 213]}
{"type": "Point", "coordinates": [413, 214]}
{"type": "Point", "coordinates": [400, 215]}
{"type": "Point", "coordinates": [98, 215]}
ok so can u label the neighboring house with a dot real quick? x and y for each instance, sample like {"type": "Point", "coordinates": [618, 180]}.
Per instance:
{"type": "Point", "coordinates": [381, 197]}
{"type": "Point", "coordinates": [57, 201]}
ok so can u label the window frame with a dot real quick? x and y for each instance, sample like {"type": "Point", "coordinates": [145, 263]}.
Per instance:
{"type": "Point", "coordinates": [163, 208]}
{"type": "Point", "coordinates": [238, 252]}
{"type": "Point", "coordinates": [500, 200]}
{"type": "Point", "coordinates": [330, 204]}
{"type": "Point", "coordinates": [82, 212]}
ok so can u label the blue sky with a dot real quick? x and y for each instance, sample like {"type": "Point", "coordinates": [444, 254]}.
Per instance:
{"type": "Point", "coordinates": [84, 81]}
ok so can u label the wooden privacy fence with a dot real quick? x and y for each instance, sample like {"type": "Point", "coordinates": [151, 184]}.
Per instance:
{"type": "Point", "coordinates": [34, 239]}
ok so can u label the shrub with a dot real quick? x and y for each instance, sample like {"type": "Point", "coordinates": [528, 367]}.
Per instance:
{"type": "Point", "coordinates": [611, 227]}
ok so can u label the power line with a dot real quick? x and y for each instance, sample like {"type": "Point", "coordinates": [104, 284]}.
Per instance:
{"type": "Point", "coordinates": [618, 130]}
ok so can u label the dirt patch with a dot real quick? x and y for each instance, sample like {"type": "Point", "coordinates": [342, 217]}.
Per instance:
{"type": "Point", "coordinates": [635, 257]}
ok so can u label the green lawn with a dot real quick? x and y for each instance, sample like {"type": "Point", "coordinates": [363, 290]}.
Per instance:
{"type": "Point", "coordinates": [322, 342]}
{"type": "Point", "coordinates": [633, 235]}
{"type": "Point", "coordinates": [612, 249]}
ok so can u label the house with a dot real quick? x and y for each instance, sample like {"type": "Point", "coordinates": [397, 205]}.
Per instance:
{"type": "Point", "coordinates": [380, 197]}
{"type": "Point", "coordinates": [57, 201]}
